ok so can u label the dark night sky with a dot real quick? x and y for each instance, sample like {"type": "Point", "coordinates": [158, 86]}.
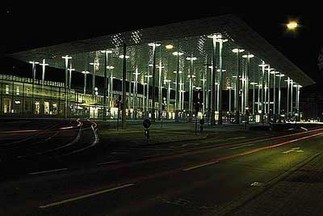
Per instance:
{"type": "Point", "coordinates": [29, 25]}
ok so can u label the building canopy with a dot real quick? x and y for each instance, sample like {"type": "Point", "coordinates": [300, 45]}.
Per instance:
{"type": "Point", "coordinates": [190, 38]}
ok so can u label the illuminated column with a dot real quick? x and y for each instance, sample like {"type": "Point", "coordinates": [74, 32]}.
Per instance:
{"type": "Point", "coordinates": [191, 76]}
{"type": "Point", "coordinates": [291, 97]}
{"type": "Point", "coordinates": [148, 81]}
{"type": "Point", "coordinates": [279, 93]}
{"type": "Point", "coordinates": [70, 69]}
{"type": "Point", "coordinates": [110, 85]}
{"type": "Point", "coordinates": [135, 92]}
{"type": "Point", "coordinates": [263, 91]}
{"type": "Point", "coordinates": [246, 79]}
{"type": "Point", "coordinates": [153, 45]}
{"type": "Point", "coordinates": [84, 87]}
{"type": "Point", "coordinates": [43, 71]}
{"type": "Point", "coordinates": [221, 41]}
{"type": "Point", "coordinates": [94, 64]}
{"type": "Point", "coordinates": [168, 94]}
{"type": "Point", "coordinates": [177, 90]}
{"type": "Point", "coordinates": [274, 94]}
{"type": "Point", "coordinates": [259, 93]}
{"type": "Point", "coordinates": [230, 106]}
{"type": "Point", "coordinates": [105, 85]}
{"type": "Point", "coordinates": [124, 77]}
{"type": "Point", "coordinates": [298, 88]}
{"type": "Point", "coordinates": [269, 69]}
{"type": "Point", "coordinates": [204, 93]}
{"type": "Point", "coordinates": [66, 58]}
{"type": "Point", "coordinates": [287, 97]}
{"type": "Point", "coordinates": [213, 87]}
{"type": "Point", "coordinates": [160, 88]}
{"type": "Point", "coordinates": [33, 63]}
{"type": "Point", "coordinates": [237, 92]}
{"type": "Point", "coordinates": [253, 97]}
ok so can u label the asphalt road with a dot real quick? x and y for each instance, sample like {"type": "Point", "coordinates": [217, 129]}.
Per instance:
{"type": "Point", "coordinates": [206, 177]}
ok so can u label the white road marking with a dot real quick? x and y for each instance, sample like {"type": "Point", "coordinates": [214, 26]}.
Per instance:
{"type": "Point", "coordinates": [48, 171]}
{"type": "Point", "coordinates": [84, 196]}
{"type": "Point", "coordinates": [297, 149]}
{"type": "Point", "coordinates": [199, 166]}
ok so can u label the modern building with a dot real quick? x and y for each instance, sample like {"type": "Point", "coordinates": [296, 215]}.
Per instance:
{"type": "Point", "coordinates": [215, 68]}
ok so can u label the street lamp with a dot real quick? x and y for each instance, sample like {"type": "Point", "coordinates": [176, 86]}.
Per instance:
{"type": "Point", "coordinates": [247, 72]}
{"type": "Point", "coordinates": [263, 66]}
{"type": "Point", "coordinates": [274, 93]}
{"type": "Point", "coordinates": [253, 97]}
{"type": "Point", "coordinates": [70, 77]}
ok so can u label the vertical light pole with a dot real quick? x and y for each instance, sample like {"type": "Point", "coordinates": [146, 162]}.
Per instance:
{"type": "Point", "coordinates": [70, 69]}
{"type": "Point", "coordinates": [274, 94]}
{"type": "Point", "coordinates": [106, 60]}
{"type": "Point", "coordinates": [148, 77]}
{"type": "Point", "coordinates": [66, 58]}
{"type": "Point", "coordinates": [177, 91]}
{"type": "Point", "coordinates": [253, 97]}
{"type": "Point", "coordinates": [168, 94]}
{"type": "Point", "coordinates": [43, 71]}
{"type": "Point", "coordinates": [213, 87]}
{"type": "Point", "coordinates": [190, 76]}
{"type": "Point", "coordinates": [221, 41]}
{"type": "Point", "coordinates": [298, 88]}
{"type": "Point", "coordinates": [291, 97]}
{"type": "Point", "coordinates": [204, 94]}
{"type": "Point", "coordinates": [247, 57]}
{"type": "Point", "coordinates": [237, 51]}
{"type": "Point", "coordinates": [153, 45]}
{"type": "Point", "coordinates": [124, 57]}
{"type": "Point", "coordinates": [263, 66]}
{"type": "Point", "coordinates": [94, 64]}
{"type": "Point", "coordinates": [160, 90]}
{"type": "Point", "coordinates": [279, 93]}
{"type": "Point", "coordinates": [110, 85]}
{"type": "Point", "coordinates": [287, 97]}
{"type": "Point", "coordinates": [84, 86]}
{"type": "Point", "coordinates": [230, 105]}
{"type": "Point", "coordinates": [269, 70]}
{"type": "Point", "coordinates": [33, 63]}
{"type": "Point", "coordinates": [135, 92]}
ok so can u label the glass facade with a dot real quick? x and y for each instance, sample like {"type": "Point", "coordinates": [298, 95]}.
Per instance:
{"type": "Point", "coordinates": [168, 73]}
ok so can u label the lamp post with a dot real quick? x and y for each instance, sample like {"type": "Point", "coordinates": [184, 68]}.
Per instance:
{"type": "Point", "coordinates": [253, 97]}
{"type": "Point", "coordinates": [94, 64]}
{"type": "Point", "coordinates": [291, 97]}
{"type": "Point", "coordinates": [147, 92]}
{"type": "Point", "coordinates": [33, 63]}
{"type": "Point", "coordinates": [168, 93]}
{"type": "Point", "coordinates": [237, 51]}
{"type": "Point", "coordinates": [84, 86]}
{"type": "Point", "coordinates": [274, 93]}
{"type": "Point", "coordinates": [66, 58]}
{"type": "Point", "coordinates": [177, 105]}
{"type": "Point", "coordinates": [124, 57]}
{"type": "Point", "coordinates": [135, 92]}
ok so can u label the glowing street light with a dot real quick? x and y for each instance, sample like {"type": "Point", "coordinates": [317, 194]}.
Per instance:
{"type": "Point", "coordinates": [292, 25]}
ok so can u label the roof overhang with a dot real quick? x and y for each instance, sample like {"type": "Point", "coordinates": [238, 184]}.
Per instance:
{"type": "Point", "coordinates": [230, 25]}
